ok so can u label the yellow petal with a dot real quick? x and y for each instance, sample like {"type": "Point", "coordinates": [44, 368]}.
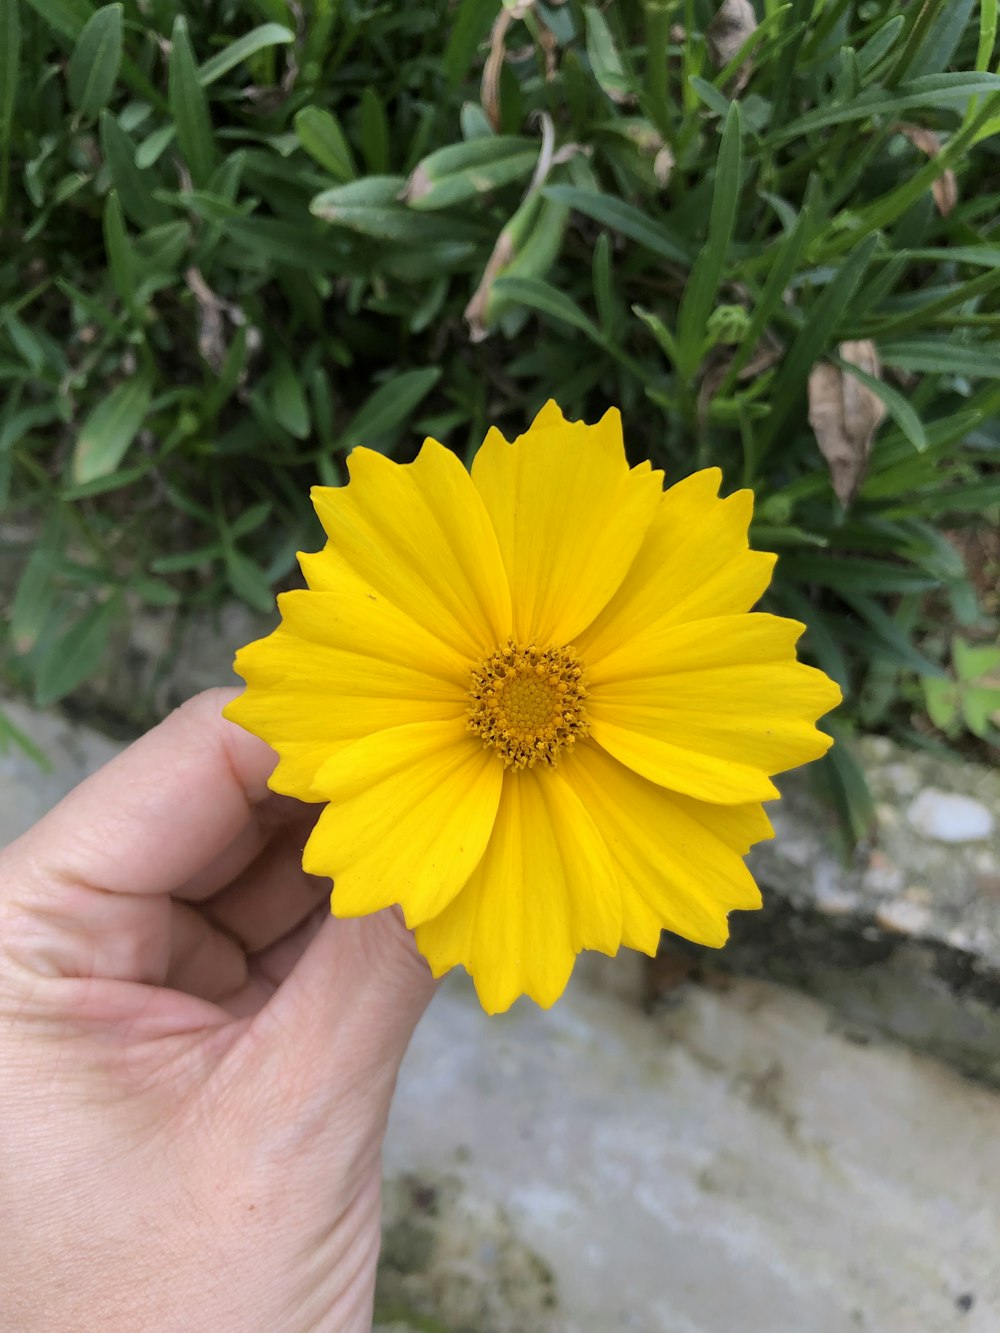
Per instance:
{"type": "Point", "coordinates": [694, 562]}
{"type": "Point", "coordinates": [711, 708]}
{"type": "Point", "coordinates": [569, 517]}
{"type": "Point", "coordinates": [420, 536]}
{"type": "Point", "coordinates": [412, 811]}
{"type": "Point", "coordinates": [341, 665]}
{"type": "Point", "coordinates": [545, 889]}
{"type": "Point", "coordinates": [679, 860]}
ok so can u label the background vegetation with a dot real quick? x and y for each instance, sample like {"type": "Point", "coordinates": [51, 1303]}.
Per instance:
{"type": "Point", "coordinates": [239, 238]}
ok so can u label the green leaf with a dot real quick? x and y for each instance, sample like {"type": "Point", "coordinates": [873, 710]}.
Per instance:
{"type": "Point", "coordinates": [470, 26]}
{"type": "Point", "coordinates": [75, 655]}
{"type": "Point", "coordinates": [189, 107]}
{"type": "Point", "coordinates": [856, 574]}
{"type": "Point", "coordinates": [462, 171]}
{"type": "Point", "coordinates": [135, 188]}
{"type": "Point", "coordinates": [548, 300]}
{"type": "Point", "coordinates": [946, 91]}
{"type": "Point", "coordinates": [268, 34]}
{"type": "Point", "coordinates": [843, 778]}
{"type": "Point", "coordinates": [321, 136]}
{"type": "Point", "coordinates": [10, 58]}
{"type": "Point", "coordinates": [605, 61]}
{"type": "Point", "coordinates": [67, 17]}
{"type": "Point", "coordinates": [388, 407]}
{"type": "Point", "coordinates": [941, 701]}
{"type": "Point", "coordinates": [974, 660]}
{"type": "Point", "coordinates": [370, 207]}
{"type": "Point", "coordinates": [818, 333]}
{"type": "Point", "coordinates": [938, 48]}
{"type": "Point", "coordinates": [623, 217]}
{"type": "Point", "coordinates": [707, 274]}
{"type": "Point", "coordinates": [249, 581]}
{"type": "Point", "coordinates": [374, 132]}
{"type": "Point", "coordinates": [96, 60]}
{"type": "Point", "coordinates": [110, 429]}
{"type": "Point", "coordinates": [288, 399]}
{"type": "Point", "coordinates": [896, 405]}
{"type": "Point", "coordinates": [35, 592]}
{"type": "Point", "coordinates": [941, 356]}
{"type": "Point", "coordinates": [121, 260]}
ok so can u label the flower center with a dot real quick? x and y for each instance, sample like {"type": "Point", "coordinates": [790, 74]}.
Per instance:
{"type": "Point", "coordinates": [528, 703]}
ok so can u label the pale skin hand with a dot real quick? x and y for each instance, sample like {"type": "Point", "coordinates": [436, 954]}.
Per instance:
{"type": "Point", "coordinates": [196, 1060]}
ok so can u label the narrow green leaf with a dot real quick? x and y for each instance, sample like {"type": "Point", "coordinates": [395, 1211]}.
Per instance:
{"type": "Point", "coordinates": [388, 407]}
{"type": "Point", "coordinates": [941, 42]}
{"type": "Point", "coordinates": [75, 655]}
{"type": "Point", "coordinates": [268, 34]}
{"type": "Point", "coordinates": [67, 17]}
{"type": "Point", "coordinates": [896, 405]}
{"type": "Point", "coordinates": [817, 335]}
{"type": "Point", "coordinates": [374, 132]}
{"type": "Point", "coordinates": [248, 581]}
{"type": "Point", "coordinates": [110, 429]}
{"type": "Point", "coordinates": [548, 300]}
{"type": "Point", "coordinates": [622, 217]}
{"type": "Point", "coordinates": [321, 136]}
{"type": "Point", "coordinates": [880, 43]}
{"type": "Point", "coordinates": [154, 145]}
{"type": "Point", "coordinates": [470, 27]}
{"type": "Point", "coordinates": [785, 264]}
{"type": "Point", "coordinates": [121, 260]}
{"type": "Point", "coordinates": [946, 91]}
{"type": "Point", "coordinates": [707, 274]}
{"type": "Point", "coordinates": [605, 298]}
{"type": "Point", "coordinates": [942, 356]}
{"type": "Point", "coordinates": [288, 399]}
{"type": "Point", "coordinates": [856, 574]}
{"type": "Point", "coordinates": [96, 60]}
{"type": "Point", "coordinates": [189, 107]}
{"type": "Point", "coordinates": [893, 636]}
{"type": "Point", "coordinates": [605, 62]}
{"type": "Point", "coordinates": [35, 591]}
{"type": "Point", "coordinates": [10, 57]}
{"type": "Point", "coordinates": [135, 188]}
{"type": "Point", "coordinates": [462, 171]}
{"type": "Point", "coordinates": [840, 773]}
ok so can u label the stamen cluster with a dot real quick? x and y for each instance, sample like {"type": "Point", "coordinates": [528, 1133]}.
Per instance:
{"type": "Point", "coordinates": [527, 702]}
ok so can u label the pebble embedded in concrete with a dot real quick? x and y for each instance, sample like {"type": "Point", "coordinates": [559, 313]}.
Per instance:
{"type": "Point", "coordinates": [950, 816]}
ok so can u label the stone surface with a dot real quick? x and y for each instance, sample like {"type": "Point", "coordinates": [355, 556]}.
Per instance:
{"type": "Point", "coordinates": [729, 1163]}
{"type": "Point", "coordinates": [27, 790]}
{"type": "Point", "coordinates": [903, 938]}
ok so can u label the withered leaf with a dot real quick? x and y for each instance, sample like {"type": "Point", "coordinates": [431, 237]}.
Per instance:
{"type": "Point", "coordinates": [945, 186]}
{"type": "Point", "coordinates": [844, 415]}
{"type": "Point", "coordinates": [734, 22]}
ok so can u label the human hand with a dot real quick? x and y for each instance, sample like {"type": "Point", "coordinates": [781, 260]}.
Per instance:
{"type": "Point", "coordinates": [197, 1061]}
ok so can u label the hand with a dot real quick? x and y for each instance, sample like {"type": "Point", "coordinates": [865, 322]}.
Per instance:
{"type": "Point", "coordinates": [197, 1061]}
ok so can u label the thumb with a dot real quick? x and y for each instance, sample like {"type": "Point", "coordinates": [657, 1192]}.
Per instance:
{"type": "Point", "coordinates": [337, 1028]}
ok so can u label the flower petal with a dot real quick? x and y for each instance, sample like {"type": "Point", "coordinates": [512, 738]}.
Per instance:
{"type": "Point", "coordinates": [679, 860]}
{"type": "Point", "coordinates": [341, 665]}
{"type": "Point", "coordinates": [694, 562]}
{"type": "Point", "coordinates": [545, 889]}
{"type": "Point", "coordinates": [420, 535]}
{"type": "Point", "coordinates": [711, 708]}
{"type": "Point", "coordinates": [569, 516]}
{"type": "Point", "coordinates": [412, 811]}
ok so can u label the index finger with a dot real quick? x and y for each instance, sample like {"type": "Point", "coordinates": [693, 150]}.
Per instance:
{"type": "Point", "coordinates": [154, 816]}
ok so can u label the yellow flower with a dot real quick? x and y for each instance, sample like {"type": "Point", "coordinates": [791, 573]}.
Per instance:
{"type": "Point", "coordinates": [535, 702]}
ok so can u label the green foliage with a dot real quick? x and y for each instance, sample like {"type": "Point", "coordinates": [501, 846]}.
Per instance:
{"type": "Point", "coordinates": [239, 240]}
